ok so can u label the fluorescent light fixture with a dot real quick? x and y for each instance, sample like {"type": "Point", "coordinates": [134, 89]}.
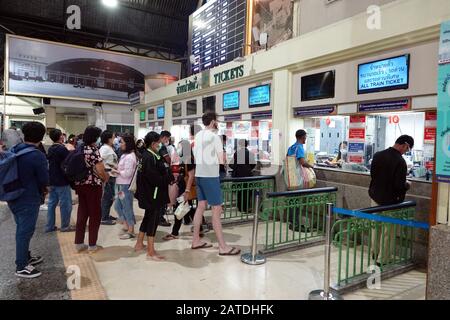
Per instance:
{"type": "Point", "coordinates": [110, 3]}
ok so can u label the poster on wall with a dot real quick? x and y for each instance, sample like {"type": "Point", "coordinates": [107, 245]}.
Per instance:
{"type": "Point", "coordinates": [430, 127]}
{"type": "Point", "coordinates": [444, 47]}
{"type": "Point", "coordinates": [356, 139]}
{"type": "Point", "coordinates": [48, 69]}
{"type": "Point", "coordinates": [274, 17]}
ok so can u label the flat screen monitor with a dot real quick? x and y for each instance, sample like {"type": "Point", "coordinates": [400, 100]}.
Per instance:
{"type": "Point", "coordinates": [161, 112]}
{"type": "Point", "coordinates": [259, 96]}
{"type": "Point", "coordinates": [151, 114]}
{"type": "Point", "coordinates": [209, 104]}
{"type": "Point", "coordinates": [318, 86]}
{"type": "Point", "coordinates": [231, 101]}
{"type": "Point", "coordinates": [384, 75]}
{"type": "Point", "coordinates": [176, 110]}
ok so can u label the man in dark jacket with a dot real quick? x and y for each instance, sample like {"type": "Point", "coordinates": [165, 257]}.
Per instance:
{"type": "Point", "coordinates": [388, 172]}
{"type": "Point", "coordinates": [388, 186]}
{"type": "Point", "coordinates": [33, 176]}
{"type": "Point", "coordinates": [60, 191]}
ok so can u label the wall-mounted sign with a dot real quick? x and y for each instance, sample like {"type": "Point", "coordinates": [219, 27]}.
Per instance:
{"type": "Point", "coordinates": [384, 75]}
{"type": "Point", "coordinates": [262, 115]}
{"type": "Point", "coordinates": [430, 127]}
{"type": "Point", "coordinates": [228, 75]}
{"type": "Point", "coordinates": [142, 115]}
{"type": "Point", "coordinates": [444, 47]}
{"type": "Point", "coordinates": [357, 133]}
{"type": "Point", "coordinates": [136, 98]}
{"type": "Point", "coordinates": [233, 117]}
{"type": "Point", "coordinates": [398, 105]}
{"type": "Point", "coordinates": [443, 125]}
{"type": "Point", "coordinates": [355, 159]}
{"type": "Point", "coordinates": [357, 119]}
{"type": "Point", "coordinates": [356, 148]}
{"type": "Point", "coordinates": [188, 85]}
{"type": "Point", "coordinates": [161, 112]}
{"type": "Point", "coordinates": [314, 111]}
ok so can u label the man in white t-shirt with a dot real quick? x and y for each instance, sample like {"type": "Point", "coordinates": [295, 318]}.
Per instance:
{"type": "Point", "coordinates": [208, 155]}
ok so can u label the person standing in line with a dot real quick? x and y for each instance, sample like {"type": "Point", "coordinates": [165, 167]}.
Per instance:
{"type": "Point", "coordinates": [33, 176]}
{"type": "Point", "coordinates": [60, 190]}
{"type": "Point", "coordinates": [110, 161]}
{"type": "Point", "coordinates": [387, 187]}
{"type": "Point", "coordinates": [223, 166]}
{"type": "Point", "coordinates": [124, 201]}
{"type": "Point", "coordinates": [208, 154]}
{"type": "Point", "coordinates": [89, 191]}
{"type": "Point", "coordinates": [165, 155]}
{"type": "Point", "coordinates": [152, 193]}
{"type": "Point", "coordinates": [71, 143]}
{"type": "Point", "coordinates": [12, 137]}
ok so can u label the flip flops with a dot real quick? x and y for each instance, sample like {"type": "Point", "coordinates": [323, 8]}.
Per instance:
{"type": "Point", "coordinates": [233, 252]}
{"type": "Point", "coordinates": [203, 246]}
{"type": "Point", "coordinates": [169, 237]}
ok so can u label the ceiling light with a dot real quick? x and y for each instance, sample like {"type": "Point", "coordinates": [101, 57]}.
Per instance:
{"type": "Point", "coordinates": [110, 3]}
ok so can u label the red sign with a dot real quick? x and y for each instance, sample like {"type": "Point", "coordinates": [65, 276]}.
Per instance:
{"type": "Point", "coordinates": [394, 119]}
{"type": "Point", "coordinates": [430, 135]}
{"type": "Point", "coordinates": [431, 116]}
{"type": "Point", "coordinates": [357, 133]}
{"type": "Point", "coordinates": [355, 159]}
{"type": "Point", "coordinates": [429, 165]}
{"type": "Point", "coordinates": [357, 119]}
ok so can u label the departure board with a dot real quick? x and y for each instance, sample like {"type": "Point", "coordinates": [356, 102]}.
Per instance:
{"type": "Point", "coordinates": [217, 33]}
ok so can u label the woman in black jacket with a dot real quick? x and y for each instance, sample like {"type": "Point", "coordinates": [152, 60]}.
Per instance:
{"type": "Point", "coordinates": [152, 192]}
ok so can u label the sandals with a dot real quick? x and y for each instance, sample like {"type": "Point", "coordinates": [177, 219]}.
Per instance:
{"type": "Point", "coordinates": [169, 237]}
{"type": "Point", "coordinates": [203, 246]}
{"type": "Point", "coordinates": [233, 252]}
{"type": "Point", "coordinates": [127, 236]}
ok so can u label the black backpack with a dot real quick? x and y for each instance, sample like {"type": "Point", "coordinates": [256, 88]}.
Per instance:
{"type": "Point", "coordinates": [74, 166]}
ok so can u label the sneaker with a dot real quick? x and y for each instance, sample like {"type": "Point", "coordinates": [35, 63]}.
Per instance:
{"type": "Point", "coordinates": [108, 222]}
{"type": "Point", "coordinates": [94, 249]}
{"type": "Point", "coordinates": [29, 272]}
{"type": "Point", "coordinates": [112, 218]}
{"type": "Point", "coordinates": [51, 230]}
{"type": "Point", "coordinates": [34, 261]}
{"type": "Point", "coordinates": [127, 236]}
{"type": "Point", "coordinates": [164, 223]}
{"type": "Point", "coordinates": [69, 229]}
{"type": "Point", "coordinates": [81, 247]}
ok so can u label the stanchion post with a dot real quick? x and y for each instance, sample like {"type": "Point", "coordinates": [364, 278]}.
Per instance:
{"type": "Point", "coordinates": [253, 258]}
{"type": "Point", "coordinates": [326, 293]}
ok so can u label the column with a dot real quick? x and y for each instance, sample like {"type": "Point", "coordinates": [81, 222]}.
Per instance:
{"type": "Point", "coordinates": [168, 115]}
{"type": "Point", "coordinates": [50, 117]}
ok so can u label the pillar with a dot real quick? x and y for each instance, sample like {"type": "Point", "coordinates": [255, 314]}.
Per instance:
{"type": "Point", "coordinates": [50, 117]}
{"type": "Point", "coordinates": [168, 122]}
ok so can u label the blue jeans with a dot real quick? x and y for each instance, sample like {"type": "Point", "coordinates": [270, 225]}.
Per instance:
{"type": "Point", "coordinates": [63, 197]}
{"type": "Point", "coordinates": [124, 205]}
{"type": "Point", "coordinates": [109, 192]}
{"type": "Point", "coordinates": [25, 215]}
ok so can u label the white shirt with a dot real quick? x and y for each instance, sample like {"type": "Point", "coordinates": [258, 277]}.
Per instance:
{"type": "Point", "coordinates": [109, 157]}
{"type": "Point", "coordinates": [207, 149]}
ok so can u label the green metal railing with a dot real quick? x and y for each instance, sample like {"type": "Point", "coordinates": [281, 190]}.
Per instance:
{"type": "Point", "coordinates": [239, 197]}
{"type": "Point", "coordinates": [296, 217]}
{"type": "Point", "coordinates": [362, 243]}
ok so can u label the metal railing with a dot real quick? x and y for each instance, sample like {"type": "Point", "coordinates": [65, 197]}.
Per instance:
{"type": "Point", "coordinates": [295, 218]}
{"type": "Point", "coordinates": [382, 238]}
{"type": "Point", "coordinates": [362, 243]}
{"type": "Point", "coordinates": [239, 196]}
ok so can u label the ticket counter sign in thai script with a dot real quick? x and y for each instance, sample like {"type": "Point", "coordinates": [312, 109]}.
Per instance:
{"type": "Point", "coordinates": [384, 75]}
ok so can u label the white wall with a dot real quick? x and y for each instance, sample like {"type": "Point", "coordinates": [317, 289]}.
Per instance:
{"type": "Point", "coordinates": [315, 14]}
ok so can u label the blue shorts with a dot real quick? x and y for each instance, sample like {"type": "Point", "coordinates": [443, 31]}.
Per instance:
{"type": "Point", "coordinates": [208, 189]}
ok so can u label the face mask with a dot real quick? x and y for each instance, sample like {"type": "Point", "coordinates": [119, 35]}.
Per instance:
{"type": "Point", "coordinates": [99, 141]}
{"type": "Point", "coordinates": [344, 151]}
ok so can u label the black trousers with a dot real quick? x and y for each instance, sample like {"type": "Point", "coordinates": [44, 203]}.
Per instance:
{"type": "Point", "coordinates": [150, 222]}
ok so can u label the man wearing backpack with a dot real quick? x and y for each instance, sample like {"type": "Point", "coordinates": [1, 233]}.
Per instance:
{"type": "Point", "coordinates": [60, 191]}
{"type": "Point", "coordinates": [33, 177]}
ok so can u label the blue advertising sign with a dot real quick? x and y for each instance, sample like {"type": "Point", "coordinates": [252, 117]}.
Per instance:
{"type": "Point", "coordinates": [444, 47]}
{"type": "Point", "coordinates": [259, 96]}
{"type": "Point", "coordinates": [384, 75]}
{"type": "Point", "coordinates": [356, 148]}
{"type": "Point", "coordinates": [161, 112]}
{"type": "Point", "coordinates": [401, 105]}
{"type": "Point", "coordinates": [443, 125]}
{"type": "Point", "coordinates": [231, 101]}
{"type": "Point", "coordinates": [314, 111]}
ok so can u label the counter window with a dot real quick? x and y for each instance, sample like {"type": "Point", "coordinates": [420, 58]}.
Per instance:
{"type": "Point", "coordinates": [350, 143]}
{"type": "Point", "coordinates": [191, 108]}
{"type": "Point", "coordinates": [176, 110]}
{"type": "Point", "coordinates": [151, 114]}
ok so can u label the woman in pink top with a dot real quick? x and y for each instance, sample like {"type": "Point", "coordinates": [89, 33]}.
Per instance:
{"type": "Point", "coordinates": [124, 202]}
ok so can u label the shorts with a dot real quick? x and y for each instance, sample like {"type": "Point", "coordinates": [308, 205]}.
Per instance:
{"type": "Point", "coordinates": [208, 189]}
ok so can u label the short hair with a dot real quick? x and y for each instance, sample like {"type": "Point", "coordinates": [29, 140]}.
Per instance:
{"type": "Point", "coordinates": [55, 135]}
{"type": "Point", "coordinates": [406, 139]}
{"type": "Point", "coordinates": [209, 117]}
{"type": "Point", "coordinates": [106, 135]}
{"type": "Point", "coordinates": [165, 134]}
{"type": "Point", "coordinates": [33, 132]}
{"type": "Point", "coordinates": [150, 138]}
{"type": "Point", "coordinates": [195, 128]}
{"type": "Point", "coordinates": [300, 134]}
{"type": "Point", "coordinates": [91, 134]}
{"type": "Point", "coordinates": [130, 144]}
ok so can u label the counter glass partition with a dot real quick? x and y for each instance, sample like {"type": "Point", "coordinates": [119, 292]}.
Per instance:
{"type": "Point", "coordinates": [349, 143]}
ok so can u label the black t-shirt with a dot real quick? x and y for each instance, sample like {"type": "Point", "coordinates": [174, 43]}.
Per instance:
{"type": "Point", "coordinates": [57, 153]}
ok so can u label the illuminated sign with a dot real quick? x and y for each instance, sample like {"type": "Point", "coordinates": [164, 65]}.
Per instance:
{"type": "Point", "coordinates": [228, 75]}
{"type": "Point", "coordinates": [231, 101]}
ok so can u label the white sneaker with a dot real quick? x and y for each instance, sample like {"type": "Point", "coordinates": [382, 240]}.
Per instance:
{"type": "Point", "coordinates": [43, 207]}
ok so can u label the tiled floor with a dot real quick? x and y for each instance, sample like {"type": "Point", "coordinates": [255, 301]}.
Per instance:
{"type": "Point", "coordinates": [202, 274]}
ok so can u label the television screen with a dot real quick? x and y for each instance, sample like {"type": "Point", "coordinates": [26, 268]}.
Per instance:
{"type": "Point", "coordinates": [231, 101]}
{"type": "Point", "coordinates": [384, 75]}
{"type": "Point", "coordinates": [176, 110]}
{"type": "Point", "coordinates": [318, 86]}
{"type": "Point", "coordinates": [161, 112]}
{"type": "Point", "coordinates": [191, 108]}
{"type": "Point", "coordinates": [209, 104]}
{"type": "Point", "coordinates": [259, 96]}
{"type": "Point", "coordinates": [151, 114]}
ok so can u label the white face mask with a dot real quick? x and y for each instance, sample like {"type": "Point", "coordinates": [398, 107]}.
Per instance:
{"type": "Point", "coordinates": [344, 151]}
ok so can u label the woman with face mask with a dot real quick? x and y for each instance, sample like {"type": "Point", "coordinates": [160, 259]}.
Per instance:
{"type": "Point", "coordinates": [151, 193]}
{"type": "Point", "coordinates": [342, 154]}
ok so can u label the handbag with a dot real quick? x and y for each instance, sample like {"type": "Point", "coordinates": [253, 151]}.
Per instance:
{"type": "Point", "coordinates": [293, 173]}
{"type": "Point", "coordinates": [182, 210]}
{"type": "Point", "coordinates": [133, 183]}
{"type": "Point", "coordinates": [309, 178]}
